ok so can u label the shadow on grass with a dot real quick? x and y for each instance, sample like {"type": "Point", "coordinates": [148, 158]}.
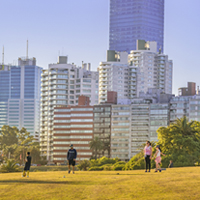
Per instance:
{"type": "Point", "coordinates": [47, 182]}
{"type": "Point", "coordinates": [127, 174]}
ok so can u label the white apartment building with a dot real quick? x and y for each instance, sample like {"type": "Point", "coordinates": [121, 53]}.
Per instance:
{"type": "Point", "coordinates": [116, 75]}
{"type": "Point", "coordinates": [129, 75]}
{"type": "Point", "coordinates": [62, 84]}
{"type": "Point", "coordinates": [154, 68]}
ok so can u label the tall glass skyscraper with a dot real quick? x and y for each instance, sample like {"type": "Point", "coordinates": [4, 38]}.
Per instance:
{"type": "Point", "coordinates": [4, 94]}
{"type": "Point", "coordinates": [20, 95]}
{"type": "Point", "coordinates": [132, 20]}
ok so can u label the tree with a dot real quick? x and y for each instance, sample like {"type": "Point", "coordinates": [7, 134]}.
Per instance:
{"type": "Point", "coordinates": [14, 144]}
{"type": "Point", "coordinates": [34, 149]}
{"type": "Point", "coordinates": [8, 151]}
{"type": "Point", "coordinates": [25, 141]}
{"type": "Point", "coordinates": [180, 141]}
{"type": "Point", "coordinates": [138, 161]}
{"type": "Point", "coordinates": [96, 144]}
{"type": "Point", "coordinates": [8, 136]}
{"type": "Point", "coordinates": [106, 147]}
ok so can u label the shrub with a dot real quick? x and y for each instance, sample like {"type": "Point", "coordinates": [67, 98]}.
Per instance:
{"type": "Point", "coordinates": [54, 169]}
{"type": "Point", "coordinates": [103, 161]}
{"type": "Point", "coordinates": [10, 166]}
{"type": "Point", "coordinates": [197, 164]}
{"type": "Point", "coordinates": [120, 163]}
{"type": "Point", "coordinates": [83, 165]}
{"type": "Point", "coordinates": [107, 167]}
{"type": "Point", "coordinates": [118, 167]}
{"type": "Point", "coordinates": [95, 169]}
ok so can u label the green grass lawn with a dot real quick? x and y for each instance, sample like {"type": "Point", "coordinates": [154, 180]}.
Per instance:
{"type": "Point", "coordinates": [46, 168]}
{"type": "Point", "coordinates": [177, 183]}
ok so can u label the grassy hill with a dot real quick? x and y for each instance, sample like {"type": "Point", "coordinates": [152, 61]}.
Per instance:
{"type": "Point", "coordinates": [177, 183]}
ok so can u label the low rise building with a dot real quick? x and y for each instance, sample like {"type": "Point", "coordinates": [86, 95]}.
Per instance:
{"type": "Point", "coordinates": [72, 125]}
{"type": "Point", "coordinates": [190, 90]}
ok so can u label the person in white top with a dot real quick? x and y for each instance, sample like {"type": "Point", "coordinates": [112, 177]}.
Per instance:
{"type": "Point", "coordinates": [158, 158]}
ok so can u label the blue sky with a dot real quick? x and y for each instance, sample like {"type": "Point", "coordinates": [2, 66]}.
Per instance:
{"type": "Point", "coordinates": [80, 29]}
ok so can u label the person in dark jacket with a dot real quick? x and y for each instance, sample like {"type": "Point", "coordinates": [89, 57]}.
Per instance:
{"type": "Point", "coordinates": [71, 157]}
{"type": "Point", "coordinates": [171, 164]}
{"type": "Point", "coordinates": [27, 165]}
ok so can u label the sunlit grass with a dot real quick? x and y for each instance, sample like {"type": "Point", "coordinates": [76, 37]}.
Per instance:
{"type": "Point", "coordinates": [180, 183]}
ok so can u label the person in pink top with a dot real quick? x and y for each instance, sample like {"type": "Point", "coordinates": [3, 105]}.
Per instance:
{"type": "Point", "coordinates": [148, 155]}
{"type": "Point", "coordinates": [158, 158]}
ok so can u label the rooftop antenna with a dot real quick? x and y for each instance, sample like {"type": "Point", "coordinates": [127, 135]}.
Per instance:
{"type": "Point", "coordinates": [3, 56]}
{"type": "Point", "coordinates": [27, 50]}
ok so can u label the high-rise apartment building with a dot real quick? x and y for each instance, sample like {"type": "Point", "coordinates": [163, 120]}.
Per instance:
{"type": "Point", "coordinates": [154, 69]}
{"type": "Point", "coordinates": [21, 95]}
{"type": "Point", "coordinates": [139, 124]}
{"type": "Point", "coordinates": [62, 84]}
{"type": "Point", "coordinates": [102, 127]}
{"type": "Point", "coordinates": [120, 132]}
{"type": "Point", "coordinates": [116, 75]}
{"type": "Point", "coordinates": [143, 116]}
{"type": "Point", "coordinates": [132, 20]}
{"type": "Point", "coordinates": [129, 75]}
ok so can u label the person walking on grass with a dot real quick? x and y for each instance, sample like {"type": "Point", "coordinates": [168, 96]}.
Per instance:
{"type": "Point", "coordinates": [148, 155]}
{"type": "Point", "coordinates": [171, 164]}
{"type": "Point", "coordinates": [27, 165]}
{"type": "Point", "coordinates": [158, 158]}
{"type": "Point", "coordinates": [71, 157]}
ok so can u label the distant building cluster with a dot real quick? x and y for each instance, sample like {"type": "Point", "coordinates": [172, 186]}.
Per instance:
{"type": "Point", "coordinates": [123, 103]}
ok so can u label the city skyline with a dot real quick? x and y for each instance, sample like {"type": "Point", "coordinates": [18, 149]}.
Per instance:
{"type": "Point", "coordinates": [45, 41]}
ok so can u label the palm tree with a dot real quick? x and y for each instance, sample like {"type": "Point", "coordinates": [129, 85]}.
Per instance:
{"type": "Point", "coordinates": [180, 141]}
{"type": "Point", "coordinates": [106, 147]}
{"type": "Point", "coordinates": [10, 166]}
{"type": "Point", "coordinates": [184, 127]}
{"type": "Point", "coordinates": [9, 150]}
{"type": "Point", "coordinates": [96, 144]}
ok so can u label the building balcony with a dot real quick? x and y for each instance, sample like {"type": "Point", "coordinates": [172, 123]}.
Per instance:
{"type": "Point", "coordinates": [43, 144]}
{"type": "Point", "coordinates": [44, 89]}
{"type": "Point", "coordinates": [103, 92]}
{"type": "Point", "coordinates": [45, 84]}
{"type": "Point", "coordinates": [44, 94]}
{"type": "Point", "coordinates": [53, 77]}
{"type": "Point", "coordinates": [52, 72]}
{"type": "Point", "coordinates": [44, 79]}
